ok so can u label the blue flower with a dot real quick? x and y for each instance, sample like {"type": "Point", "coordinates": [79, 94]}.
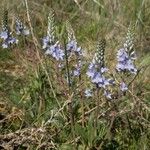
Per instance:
{"type": "Point", "coordinates": [104, 82]}
{"type": "Point", "coordinates": [91, 70]}
{"type": "Point", "coordinates": [103, 69]}
{"type": "Point", "coordinates": [77, 70]}
{"type": "Point", "coordinates": [88, 93]}
{"type": "Point", "coordinates": [4, 35]}
{"type": "Point", "coordinates": [123, 87]}
{"type": "Point", "coordinates": [125, 61]}
{"type": "Point", "coordinates": [8, 40]}
{"type": "Point", "coordinates": [107, 94]}
{"type": "Point", "coordinates": [96, 74]}
{"type": "Point", "coordinates": [100, 80]}
{"type": "Point", "coordinates": [46, 42]}
{"type": "Point", "coordinates": [72, 47]}
{"type": "Point", "coordinates": [55, 51]}
{"type": "Point", "coordinates": [21, 29]}
{"type": "Point", "coordinates": [97, 78]}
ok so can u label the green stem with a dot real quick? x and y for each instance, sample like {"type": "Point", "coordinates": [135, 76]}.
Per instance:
{"type": "Point", "coordinates": [81, 96]}
{"type": "Point", "coordinates": [97, 104]}
{"type": "Point", "coordinates": [69, 86]}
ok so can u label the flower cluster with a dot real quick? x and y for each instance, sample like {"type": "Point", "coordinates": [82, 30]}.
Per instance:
{"type": "Point", "coordinates": [5, 34]}
{"type": "Point", "coordinates": [125, 61]}
{"type": "Point", "coordinates": [73, 49]}
{"type": "Point", "coordinates": [46, 42]}
{"type": "Point", "coordinates": [21, 29]}
{"type": "Point", "coordinates": [52, 48]}
{"type": "Point", "coordinates": [77, 69]}
{"type": "Point", "coordinates": [96, 74]}
{"type": "Point", "coordinates": [123, 87]}
{"type": "Point", "coordinates": [96, 71]}
{"type": "Point", "coordinates": [126, 57]}
{"type": "Point", "coordinates": [55, 51]}
{"type": "Point", "coordinates": [8, 40]}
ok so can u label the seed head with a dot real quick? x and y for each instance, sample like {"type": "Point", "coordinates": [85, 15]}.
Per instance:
{"type": "Point", "coordinates": [129, 43]}
{"type": "Point", "coordinates": [100, 52]}
{"type": "Point", "coordinates": [51, 27]}
{"type": "Point", "coordinates": [5, 20]}
{"type": "Point", "coordinates": [70, 32]}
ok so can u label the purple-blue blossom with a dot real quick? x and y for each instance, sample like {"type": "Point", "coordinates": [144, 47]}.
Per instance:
{"type": "Point", "coordinates": [125, 61]}
{"type": "Point", "coordinates": [72, 47]}
{"type": "Point", "coordinates": [7, 39]}
{"type": "Point", "coordinates": [55, 51]}
{"type": "Point", "coordinates": [21, 29]}
{"type": "Point", "coordinates": [77, 70]}
{"type": "Point", "coordinates": [88, 93]}
{"type": "Point", "coordinates": [45, 42]}
{"type": "Point", "coordinates": [107, 94]}
{"type": "Point", "coordinates": [96, 74]}
{"type": "Point", "coordinates": [123, 87]}
{"type": "Point", "coordinates": [100, 80]}
{"type": "Point", "coordinates": [4, 35]}
{"type": "Point", "coordinates": [91, 70]}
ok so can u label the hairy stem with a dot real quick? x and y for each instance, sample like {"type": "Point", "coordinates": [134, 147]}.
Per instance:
{"type": "Point", "coordinates": [69, 86]}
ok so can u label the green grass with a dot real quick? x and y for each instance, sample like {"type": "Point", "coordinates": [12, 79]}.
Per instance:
{"type": "Point", "coordinates": [34, 93]}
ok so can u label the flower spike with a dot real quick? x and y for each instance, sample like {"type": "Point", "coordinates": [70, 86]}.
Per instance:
{"type": "Point", "coordinates": [51, 27]}
{"type": "Point", "coordinates": [5, 34]}
{"type": "Point", "coordinates": [99, 55]}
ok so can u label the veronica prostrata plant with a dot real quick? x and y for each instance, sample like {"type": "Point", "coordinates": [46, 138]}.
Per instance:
{"type": "Point", "coordinates": [50, 44]}
{"type": "Point", "coordinates": [97, 71]}
{"type": "Point", "coordinates": [73, 50]}
{"type": "Point", "coordinates": [5, 34]}
{"type": "Point", "coordinates": [126, 57]}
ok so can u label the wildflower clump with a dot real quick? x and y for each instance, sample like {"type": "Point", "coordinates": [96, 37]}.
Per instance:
{"type": "Point", "coordinates": [126, 55]}
{"type": "Point", "coordinates": [5, 34]}
{"type": "Point", "coordinates": [51, 46]}
{"type": "Point", "coordinates": [97, 70]}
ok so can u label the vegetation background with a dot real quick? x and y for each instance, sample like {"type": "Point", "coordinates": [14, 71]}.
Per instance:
{"type": "Point", "coordinates": [30, 117]}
